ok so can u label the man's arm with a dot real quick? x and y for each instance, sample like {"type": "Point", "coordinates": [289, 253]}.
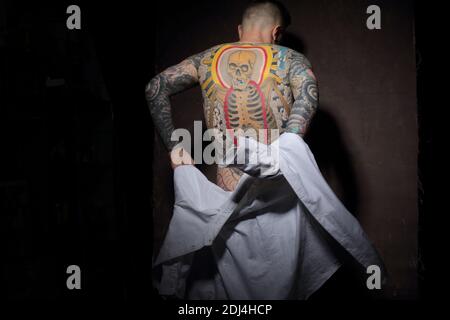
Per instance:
{"type": "Point", "coordinates": [304, 88]}
{"type": "Point", "coordinates": [169, 82]}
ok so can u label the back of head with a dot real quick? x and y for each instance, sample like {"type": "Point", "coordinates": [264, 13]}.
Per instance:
{"type": "Point", "coordinates": [262, 14]}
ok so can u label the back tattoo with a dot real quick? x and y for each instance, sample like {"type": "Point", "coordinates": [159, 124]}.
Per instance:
{"type": "Point", "coordinates": [244, 86]}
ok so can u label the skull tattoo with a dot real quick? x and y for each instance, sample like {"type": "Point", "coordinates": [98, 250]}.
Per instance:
{"type": "Point", "coordinates": [240, 68]}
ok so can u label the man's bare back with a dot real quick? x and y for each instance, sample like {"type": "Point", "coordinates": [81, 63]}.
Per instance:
{"type": "Point", "coordinates": [244, 85]}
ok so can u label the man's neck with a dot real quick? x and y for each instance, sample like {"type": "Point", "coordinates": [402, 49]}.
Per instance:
{"type": "Point", "coordinates": [254, 38]}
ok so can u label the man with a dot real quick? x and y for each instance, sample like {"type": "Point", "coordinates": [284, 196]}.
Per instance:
{"type": "Point", "coordinates": [252, 84]}
{"type": "Point", "coordinates": [256, 84]}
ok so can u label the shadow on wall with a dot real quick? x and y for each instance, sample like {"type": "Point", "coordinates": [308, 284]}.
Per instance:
{"type": "Point", "coordinates": [325, 141]}
{"type": "Point", "coordinates": [335, 162]}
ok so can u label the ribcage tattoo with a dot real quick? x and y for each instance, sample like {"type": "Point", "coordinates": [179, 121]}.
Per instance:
{"type": "Point", "coordinates": [247, 109]}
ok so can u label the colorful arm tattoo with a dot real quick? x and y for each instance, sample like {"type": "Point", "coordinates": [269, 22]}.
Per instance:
{"type": "Point", "coordinates": [169, 82]}
{"type": "Point", "coordinates": [304, 88]}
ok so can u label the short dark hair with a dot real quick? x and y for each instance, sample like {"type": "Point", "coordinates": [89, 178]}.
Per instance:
{"type": "Point", "coordinates": [276, 8]}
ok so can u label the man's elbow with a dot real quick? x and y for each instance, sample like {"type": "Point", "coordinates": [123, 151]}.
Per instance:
{"type": "Point", "coordinates": [152, 88]}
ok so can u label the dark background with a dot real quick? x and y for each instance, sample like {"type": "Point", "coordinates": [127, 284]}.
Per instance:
{"type": "Point", "coordinates": [76, 179]}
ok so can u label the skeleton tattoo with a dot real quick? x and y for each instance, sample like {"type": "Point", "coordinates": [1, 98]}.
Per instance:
{"type": "Point", "coordinates": [244, 86]}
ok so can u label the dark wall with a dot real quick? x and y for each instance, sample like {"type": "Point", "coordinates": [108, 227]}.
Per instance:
{"type": "Point", "coordinates": [364, 135]}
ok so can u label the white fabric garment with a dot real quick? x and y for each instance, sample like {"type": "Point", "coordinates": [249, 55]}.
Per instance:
{"type": "Point", "coordinates": [269, 238]}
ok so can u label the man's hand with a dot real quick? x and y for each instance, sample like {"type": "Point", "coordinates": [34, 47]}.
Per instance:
{"type": "Point", "coordinates": [180, 157]}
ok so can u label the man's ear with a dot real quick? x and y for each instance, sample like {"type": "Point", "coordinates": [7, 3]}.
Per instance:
{"type": "Point", "coordinates": [276, 33]}
{"type": "Point", "coordinates": [240, 31]}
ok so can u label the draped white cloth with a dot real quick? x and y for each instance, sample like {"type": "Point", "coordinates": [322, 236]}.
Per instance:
{"type": "Point", "coordinates": [271, 238]}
